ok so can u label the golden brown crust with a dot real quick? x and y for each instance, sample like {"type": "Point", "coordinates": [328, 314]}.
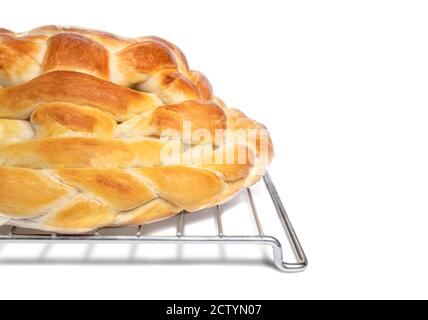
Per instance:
{"type": "Point", "coordinates": [198, 79]}
{"type": "Point", "coordinates": [88, 124]}
{"type": "Point", "coordinates": [203, 84]}
{"type": "Point", "coordinates": [109, 40]}
{"type": "Point", "coordinates": [18, 60]}
{"type": "Point", "coordinates": [199, 114]}
{"type": "Point", "coordinates": [65, 86]}
{"type": "Point", "coordinates": [79, 152]}
{"type": "Point", "coordinates": [73, 52]}
{"type": "Point", "coordinates": [177, 185]}
{"type": "Point", "coordinates": [171, 87]}
{"type": "Point", "coordinates": [145, 59]}
{"type": "Point", "coordinates": [60, 118]}
{"type": "Point", "coordinates": [180, 58]}
{"type": "Point", "coordinates": [66, 153]}
{"type": "Point", "coordinates": [115, 187]}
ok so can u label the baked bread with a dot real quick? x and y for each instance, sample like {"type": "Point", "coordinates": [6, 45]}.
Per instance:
{"type": "Point", "coordinates": [94, 132]}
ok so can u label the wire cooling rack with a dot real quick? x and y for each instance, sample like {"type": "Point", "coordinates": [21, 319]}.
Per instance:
{"type": "Point", "coordinates": [137, 235]}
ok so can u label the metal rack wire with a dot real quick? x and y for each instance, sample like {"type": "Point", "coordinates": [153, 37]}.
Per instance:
{"type": "Point", "coordinates": [15, 235]}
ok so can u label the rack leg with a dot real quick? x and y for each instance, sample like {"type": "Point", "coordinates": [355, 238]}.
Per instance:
{"type": "Point", "coordinates": [294, 241]}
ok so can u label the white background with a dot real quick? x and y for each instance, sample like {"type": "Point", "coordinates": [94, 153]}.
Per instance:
{"type": "Point", "coordinates": [342, 85]}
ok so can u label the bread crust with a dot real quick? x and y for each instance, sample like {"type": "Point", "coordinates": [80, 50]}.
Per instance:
{"type": "Point", "coordinates": [88, 120]}
{"type": "Point", "coordinates": [121, 103]}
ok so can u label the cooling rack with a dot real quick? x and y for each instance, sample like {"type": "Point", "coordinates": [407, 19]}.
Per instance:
{"type": "Point", "coordinates": [137, 234]}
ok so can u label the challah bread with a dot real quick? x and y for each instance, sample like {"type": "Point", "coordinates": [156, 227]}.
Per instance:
{"type": "Point", "coordinates": [98, 130]}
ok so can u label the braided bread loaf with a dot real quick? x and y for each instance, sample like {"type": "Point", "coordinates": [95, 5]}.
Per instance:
{"type": "Point", "coordinates": [88, 123]}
